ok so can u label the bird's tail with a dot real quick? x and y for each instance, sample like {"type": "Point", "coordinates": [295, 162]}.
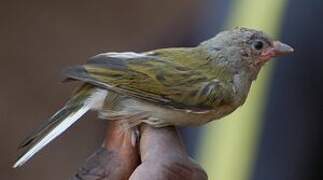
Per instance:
{"type": "Point", "coordinates": [86, 98]}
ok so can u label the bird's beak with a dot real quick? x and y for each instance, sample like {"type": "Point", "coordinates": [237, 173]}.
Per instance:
{"type": "Point", "coordinates": [280, 49]}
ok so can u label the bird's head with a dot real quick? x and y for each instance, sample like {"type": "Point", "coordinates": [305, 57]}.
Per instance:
{"type": "Point", "coordinates": [246, 48]}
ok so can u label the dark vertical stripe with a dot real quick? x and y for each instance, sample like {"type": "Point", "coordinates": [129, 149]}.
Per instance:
{"type": "Point", "coordinates": [291, 146]}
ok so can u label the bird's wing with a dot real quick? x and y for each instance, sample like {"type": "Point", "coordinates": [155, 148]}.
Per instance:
{"type": "Point", "coordinates": [154, 77]}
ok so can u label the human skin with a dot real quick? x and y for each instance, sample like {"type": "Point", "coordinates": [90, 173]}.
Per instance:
{"type": "Point", "coordinates": [159, 154]}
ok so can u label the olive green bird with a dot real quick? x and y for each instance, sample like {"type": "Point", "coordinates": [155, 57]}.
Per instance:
{"type": "Point", "coordinates": [164, 87]}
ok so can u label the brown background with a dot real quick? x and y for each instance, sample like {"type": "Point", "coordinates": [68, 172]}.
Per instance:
{"type": "Point", "coordinates": [39, 38]}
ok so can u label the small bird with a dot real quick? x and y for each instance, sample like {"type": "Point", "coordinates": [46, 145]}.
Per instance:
{"type": "Point", "coordinates": [164, 87]}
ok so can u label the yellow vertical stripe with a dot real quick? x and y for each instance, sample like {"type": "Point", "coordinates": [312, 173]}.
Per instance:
{"type": "Point", "coordinates": [229, 146]}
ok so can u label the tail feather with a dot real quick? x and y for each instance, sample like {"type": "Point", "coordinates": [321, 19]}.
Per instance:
{"type": "Point", "coordinates": [85, 99]}
{"type": "Point", "coordinates": [52, 122]}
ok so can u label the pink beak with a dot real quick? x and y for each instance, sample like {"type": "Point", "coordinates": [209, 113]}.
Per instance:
{"type": "Point", "coordinates": [280, 49]}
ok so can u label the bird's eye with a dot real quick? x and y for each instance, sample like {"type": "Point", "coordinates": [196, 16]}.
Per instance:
{"type": "Point", "coordinates": [258, 45]}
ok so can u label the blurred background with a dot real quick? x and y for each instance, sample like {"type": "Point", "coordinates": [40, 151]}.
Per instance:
{"type": "Point", "coordinates": [275, 135]}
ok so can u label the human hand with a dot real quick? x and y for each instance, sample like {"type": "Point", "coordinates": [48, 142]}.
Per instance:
{"type": "Point", "coordinates": [162, 153]}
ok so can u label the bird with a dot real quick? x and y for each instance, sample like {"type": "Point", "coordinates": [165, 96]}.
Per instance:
{"type": "Point", "coordinates": [180, 86]}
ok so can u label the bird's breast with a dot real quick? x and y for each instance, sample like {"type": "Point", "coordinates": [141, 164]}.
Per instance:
{"type": "Point", "coordinates": [158, 116]}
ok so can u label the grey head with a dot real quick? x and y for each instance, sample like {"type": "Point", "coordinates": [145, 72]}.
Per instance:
{"type": "Point", "coordinates": [244, 49]}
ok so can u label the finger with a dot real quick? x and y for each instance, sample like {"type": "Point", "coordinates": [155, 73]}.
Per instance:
{"type": "Point", "coordinates": [164, 157]}
{"type": "Point", "coordinates": [115, 160]}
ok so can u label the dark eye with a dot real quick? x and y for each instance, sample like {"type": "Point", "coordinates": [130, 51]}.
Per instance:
{"type": "Point", "coordinates": [258, 45]}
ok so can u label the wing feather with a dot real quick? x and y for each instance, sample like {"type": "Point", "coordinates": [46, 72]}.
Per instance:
{"type": "Point", "coordinates": [153, 77]}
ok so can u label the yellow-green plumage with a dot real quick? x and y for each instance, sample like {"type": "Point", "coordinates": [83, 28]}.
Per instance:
{"type": "Point", "coordinates": [175, 75]}
{"type": "Point", "coordinates": [173, 86]}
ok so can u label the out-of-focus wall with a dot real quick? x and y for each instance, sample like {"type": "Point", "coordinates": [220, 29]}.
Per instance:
{"type": "Point", "coordinates": [39, 38]}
